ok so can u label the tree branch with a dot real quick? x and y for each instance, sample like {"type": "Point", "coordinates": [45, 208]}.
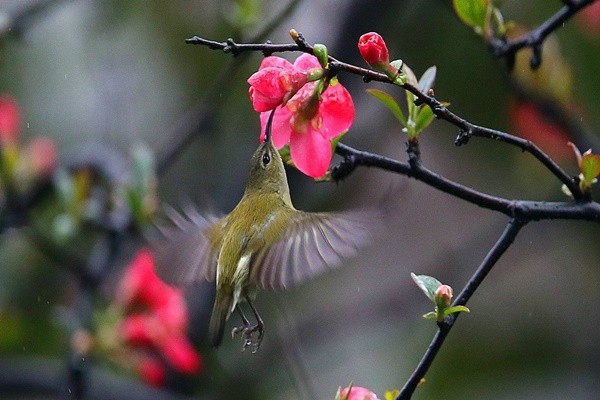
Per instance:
{"type": "Point", "coordinates": [505, 240]}
{"type": "Point", "coordinates": [536, 37]}
{"type": "Point", "coordinates": [524, 209]}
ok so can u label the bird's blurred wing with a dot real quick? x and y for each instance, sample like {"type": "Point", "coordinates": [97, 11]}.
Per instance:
{"type": "Point", "coordinates": [313, 242]}
{"type": "Point", "coordinates": [187, 251]}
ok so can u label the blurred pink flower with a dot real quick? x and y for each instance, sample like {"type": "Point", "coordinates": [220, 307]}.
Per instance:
{"type": "Point", "coordinates": [529, 122]}
{"type": "Point", "coordinates": [308, 122]}
{"type": "Point", "coordinates": [151, 370]}
{"type": "Point", "coordinates": [589, 19]}
{"type": "Point", "coordinates": [159, 322]}
{"type": "Point", "coordinates": [10, 120]}
{"type": "Point", "coordinates": [42, 151]}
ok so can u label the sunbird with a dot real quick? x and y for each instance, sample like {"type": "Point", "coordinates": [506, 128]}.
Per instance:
{"type": "Point", "coordinates": [264, 242]}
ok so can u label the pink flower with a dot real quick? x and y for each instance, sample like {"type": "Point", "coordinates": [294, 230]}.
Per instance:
{"type": "Point", "coordinates": [275, 82]}
{"type": "Point", "coordinates": [10, 120]}
{"type": "Point", "coordinates": [373, 50]}
{"type": "Point", "coordinates": [158, 325]}
{"type": "Point", "coordinates": [309, 123]}
{"type": "Point", "coordinates": [356, 393]}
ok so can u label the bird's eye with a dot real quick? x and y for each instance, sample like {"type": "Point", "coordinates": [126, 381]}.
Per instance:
{"type": "Point", "coordinates": [266, 159]}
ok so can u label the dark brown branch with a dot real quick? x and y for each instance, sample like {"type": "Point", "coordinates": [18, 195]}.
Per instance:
{"type": "Point", "coordinates": [526, 210]}
{"type": "Point", "coordinates": [534, 39]}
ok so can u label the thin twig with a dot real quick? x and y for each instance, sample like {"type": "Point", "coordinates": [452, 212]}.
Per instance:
{"type": "Point", "coordinates": [536, 37]}
{"type": "Point", "coordinates": [505, 240]}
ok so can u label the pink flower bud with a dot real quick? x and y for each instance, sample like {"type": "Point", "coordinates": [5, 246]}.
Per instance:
{"type": "Point", "coordinates": [10, 120]}
{"type": "Point", "coordinates": [443, 296]}
{"type": "Point", "coordinates": [274, 86]}
{"type": "Point", "coordinates": [357, 393]}
{"type": "Point", "coordinates": [374, 50]}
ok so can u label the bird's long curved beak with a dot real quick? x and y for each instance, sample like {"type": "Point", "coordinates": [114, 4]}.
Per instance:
{"type": "Point", "coordinates": [268, 128]}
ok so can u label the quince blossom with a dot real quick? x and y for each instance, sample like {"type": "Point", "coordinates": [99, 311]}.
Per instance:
{"type": "Point", "coordinates": [310, 119]}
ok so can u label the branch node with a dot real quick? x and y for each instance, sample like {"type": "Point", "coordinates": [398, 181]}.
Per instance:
{"type": "Point", "coordinates": [231, 47]}
{"type": "Point", "coordinates": [344, 168]}
{"type": "Point", "coordinates": [414, 153]}
{"type": "Point", "coordinates": [536, 56]}
{"type": "Point", "coordinates": [266, 52]}
{"type": "Point", "coordinates": [463, 137]}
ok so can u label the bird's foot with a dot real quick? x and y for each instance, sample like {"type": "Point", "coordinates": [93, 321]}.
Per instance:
{"type": "Point", "coordinates": [246, 331]}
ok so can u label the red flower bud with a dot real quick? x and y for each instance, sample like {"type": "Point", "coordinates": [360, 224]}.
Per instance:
{"type": "Point", "coordinates": [374, 50]}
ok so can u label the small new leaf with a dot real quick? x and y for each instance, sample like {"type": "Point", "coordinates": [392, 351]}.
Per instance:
{"type": "Point", "coordinates": [427, 284]}
{"type": "Point", "coordinates": [427, 79]}
{"type": "Point", "coordinates": [472, 12]}
{"type": "Point", "coordinates": [430, 315]}
{"type": "Point", "coordinates": [390, 103]}
{"type": "Point", "coordinates": [391, 394]}
{"type": "Point", "coordinates": [590, 167]}
{"type": "Point", "coordinates": [425, 116]}
{"type": "Point", "coordinates": [455, 309]}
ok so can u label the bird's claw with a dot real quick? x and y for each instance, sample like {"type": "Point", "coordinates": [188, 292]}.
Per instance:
{"type": "Point", "coordinates": [246, 332]}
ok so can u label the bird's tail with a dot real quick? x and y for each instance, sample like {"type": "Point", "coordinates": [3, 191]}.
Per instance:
{"type": "Point", "coordinates": [220, 314]}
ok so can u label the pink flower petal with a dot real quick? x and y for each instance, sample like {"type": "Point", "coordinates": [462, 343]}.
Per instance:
{"type": "Point", "coordinates": [336, 110]}
{"type": "Point", "coordinates": [274, 61]}
{"type": "Point", "coordinates": [306, 61]}
{"type": "Point", "coordinates": [152, 371]}
{"type": "Point", "coordinates": [181, 355]}
{"type": "Point", "coordinates": [311, 153]}
{"type": "Point", "coordinates": [281, 129]}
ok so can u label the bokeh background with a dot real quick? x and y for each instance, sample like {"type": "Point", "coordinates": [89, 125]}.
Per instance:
{"type": "Point", "coordinates": [102, 78]}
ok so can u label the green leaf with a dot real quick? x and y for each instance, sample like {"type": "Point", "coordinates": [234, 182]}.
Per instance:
{"type": "Point", "coordinates": [430, 315]}
{"type": "Point", "coordinates": [390, 103]}
{"type": "Point", "coordinates": [427, 284]}
{"type": "Point", "coordinates": [455, 309]}
{"type": "Point", "coordinates": [410, 98]}
{"type": "Point", "coordinates": [427, 79]}
{"type": "Point", "coordinates": [590, 167]}
{"type": "Point", "coordinates": [424, 117]}
{"type": "Point", "coordinates": [472, 12]}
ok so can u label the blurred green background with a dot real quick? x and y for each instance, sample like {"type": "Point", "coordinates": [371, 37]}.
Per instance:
{"type": "Point", "coordinates": [105, 76]}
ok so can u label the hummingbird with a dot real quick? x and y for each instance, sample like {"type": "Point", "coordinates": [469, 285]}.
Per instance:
{"type": "Point", "coordinates": [263, 243]}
